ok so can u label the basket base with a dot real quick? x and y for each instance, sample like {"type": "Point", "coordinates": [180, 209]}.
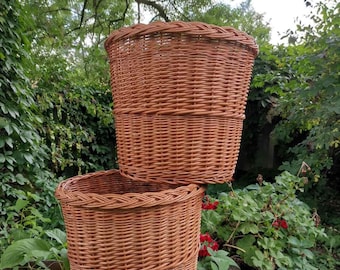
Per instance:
{"type": "Point", "coordinates": [188, 265]}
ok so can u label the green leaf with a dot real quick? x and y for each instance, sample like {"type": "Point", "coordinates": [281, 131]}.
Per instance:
{"type": "Point", "coordinates": [220, 260]}
{"type": "Point", "coordinates": [294, 241]}
{"type": "Point", "coordinates": [9, 142]}
{"type": "Point", "coordinates": [246, 228]}
{"type": "Point", "coordinates": [19, 234]}
{"type": "Point", "coordinates": [246, 243]}
{"type": "Point", "coordinates": [29, 158]}
{"type": "Point", "coordinates": [57, 235]}
{"type": "Point", "coordinates": [214, 266]}
{"type": "Point", "coordinates": [253, 187]}
{"type": "Point", "coordinates": [3, 122]}
{"type": "Point", "coordinates": [13, 113]}
{"type": "Point", "coordinates": [20, 204]}
{"type": "Point", "coordinates": [200, 266]}
{"type": "Point", "coordinates": [2, 142]}
{"type": "Point", "coordinates": [20, 179]}
{"type": "Point", "coordinates": [23, 251]}
{"type": "Point", "coordinates": [40, 254]}
{"type": "Point", "coordinates": [8, 129]}
{"type": "Point", "coordinates": [259, 255]}
{"type": "Point", "coordinates": [309, 254]}
{"type": "Point", "coordinates": [266, 243]}
{"type": "Point", "coordinates": [211, 219]}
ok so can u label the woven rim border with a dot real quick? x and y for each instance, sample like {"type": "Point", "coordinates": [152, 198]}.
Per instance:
{"type": "Point", "coordinates": [125, 200]}
{"type": "Point", "coordinates": [187, 28]}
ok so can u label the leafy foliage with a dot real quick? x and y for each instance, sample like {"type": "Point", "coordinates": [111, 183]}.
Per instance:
{"type": "Point", "coordinates": [171, 10]}
{"type": "Point", "coordinates": [25, 251]}
{"type": "Point", "coordinates": [26, 238]}
{"type": "Point", "coordinates": [244, 18]}
{"type": "Point", "coordinates": [328, 250]}
{"type": "Point", "coordinates": [78, 128]}
{"type": "Point", "coordinates": [74, 31]}
{"type": "Point", "coordinates": [265, 224]}
{"type": "Point", "coordinates": [21, 153]}
{"type": "Point", "coordinates": [217, 260]}
{"type": "Point", "coordinates": [307, 86]}
{"type": "Point", "coordinates": [77, 120]}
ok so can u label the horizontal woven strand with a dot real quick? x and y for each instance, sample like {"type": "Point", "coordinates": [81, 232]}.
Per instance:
{"type": "Point", "coordinates": [199, 29]}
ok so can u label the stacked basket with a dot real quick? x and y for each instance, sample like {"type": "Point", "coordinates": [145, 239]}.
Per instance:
{"type": "Point", "coordinates": [179, 92]}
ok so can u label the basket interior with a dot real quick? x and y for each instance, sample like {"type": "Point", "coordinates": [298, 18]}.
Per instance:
{"type": "Point", "coordinates": [112, 183]}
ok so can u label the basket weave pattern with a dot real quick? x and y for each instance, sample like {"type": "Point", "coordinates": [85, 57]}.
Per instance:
{"type": "Point", "coordinates": [180, 68]}
{"type": "Point", "coordinates": [115, 223]}
{"type": "Point", "coordinates": [140, 159]}
{"type": "Point", "coordinates": [166, 79]}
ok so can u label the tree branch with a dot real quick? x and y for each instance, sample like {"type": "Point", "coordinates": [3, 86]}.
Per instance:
{"type": "Point", "coordinates": [82, 13]}
{"type": "Point", "coordinates": [95, 16]}
{"type": "Point", "coordinates": [156, 6]}
{"type": "Point", "coordinates": [123, 16]}
{"type": "Point", "coordinates": [174, 5]}
{"type": "Point", "coordinates": [56, 10]}
{"type": "Point", "coordinates": [138, 6]}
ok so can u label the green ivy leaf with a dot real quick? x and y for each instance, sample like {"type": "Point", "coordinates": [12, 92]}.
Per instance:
{"type": "Point", "coordinates": [2, 142]}
{"type": "Point", "coordinates": [8, 129]}
{"type": "Point", "coordinates": [29, 158]}
{"type": "Point", "coordinates": [2, 158]}
{"type": "Point", "coordinates": [9, 142]}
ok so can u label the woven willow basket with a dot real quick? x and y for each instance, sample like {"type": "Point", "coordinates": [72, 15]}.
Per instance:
{"type": "Point", "coordinates": [179, 92]}
{"type": "Point", "coordinates": [117, 223]}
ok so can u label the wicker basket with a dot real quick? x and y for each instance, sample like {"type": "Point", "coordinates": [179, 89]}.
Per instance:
{"type": "Point", "coordinates": [179, 93]}
{"type": "Point", "coordinates": [116, 223]}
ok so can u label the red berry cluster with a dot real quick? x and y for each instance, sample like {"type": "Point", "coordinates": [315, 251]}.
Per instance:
{"type": "Point", "coordinates": [209, 205]}
{"type": "Point", "coordinates": [280, 223]}
{"type": "Point", "coordinates": [207, 241]}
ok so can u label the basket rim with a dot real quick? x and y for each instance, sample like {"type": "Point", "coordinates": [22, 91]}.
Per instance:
{"type": "Point", "coordinates": [226, 33]}
{"type": "Point", "coordinates": [123, 201]}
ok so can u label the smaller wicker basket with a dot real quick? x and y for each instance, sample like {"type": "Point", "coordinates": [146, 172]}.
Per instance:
{"type": "Point", "coordinates": [116, 223]}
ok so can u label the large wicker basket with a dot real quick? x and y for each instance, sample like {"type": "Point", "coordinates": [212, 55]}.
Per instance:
{"type": "Point", "coordinates": [116, 223]}
{"type": "Point", "coordinates": [179, 92]}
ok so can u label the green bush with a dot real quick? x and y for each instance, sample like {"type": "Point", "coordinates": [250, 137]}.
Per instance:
{"type": "Point", "coordinates": [27, 240]}
{"type": "Point", "coordinates": [265, 224]}
{"type": "Point", "coordinates": [78, 129]}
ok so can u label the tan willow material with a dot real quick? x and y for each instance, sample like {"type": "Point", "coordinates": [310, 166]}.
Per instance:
{"type": "Point", "coordinates": [116, 223]}
{"type": "Point", "coordinates": [179, 92]}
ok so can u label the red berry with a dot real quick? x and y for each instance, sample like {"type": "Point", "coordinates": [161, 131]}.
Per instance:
{"type": "Point", "coordinates": [276, 224]}
{"type": "Point", "coordinates": [283, 224]}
